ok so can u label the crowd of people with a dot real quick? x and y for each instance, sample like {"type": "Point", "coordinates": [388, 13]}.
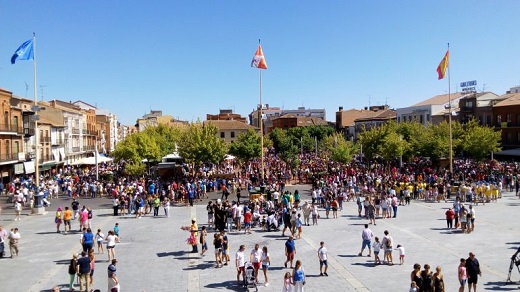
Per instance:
{"type": "Point", "coordinates": [377, 189]}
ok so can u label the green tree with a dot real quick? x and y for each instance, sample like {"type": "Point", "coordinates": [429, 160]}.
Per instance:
{"type": "Point", "coordinates": [393, 146]}
{"type": "Point", "coordinates": [338, 149]}
{"type": "Point", "coordinates": [199, 144]}
{"type": "Point", "coordinates": [480, 141]}
{"type": "Point", "coordinates": [135, 169]}
{"type": "Point", "coordinates": [166, 137]}
{"type": "Point", "coordinates": [414, 133]}
{"type": "Point", "coordinates": [246, 146]}
{"type": "Point", "coordinates": [137, 147]}
{"type": "Point", "coordinates": [371, 141]}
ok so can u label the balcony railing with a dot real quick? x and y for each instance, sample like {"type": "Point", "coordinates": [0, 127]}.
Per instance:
{"type": "Point", "coordinates": [45, 158]}
{"type": "Point", "coordinates": [11, 128]}
{"type": "Point", "coordinates": [88, 148]}
{"type": "Point", "coordinates": [8, 157]}
{"type": "Point", "coordinates": [28, 132]}
{"type": "Point", "coordinates": [75, 131]}
{"type": "Point", "coordinates": [45, 139]}
{"type": "Point", "coordinates": [76, 149]}
{"type": "Point", "coordinates": [58, 142]}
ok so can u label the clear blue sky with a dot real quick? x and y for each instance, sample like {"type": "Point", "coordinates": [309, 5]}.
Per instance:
{"type": "Point", "coordinates": [190, 58]}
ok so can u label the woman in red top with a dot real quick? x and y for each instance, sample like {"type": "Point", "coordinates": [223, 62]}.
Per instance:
{"type": "Point", "coordinates": [450, 215]}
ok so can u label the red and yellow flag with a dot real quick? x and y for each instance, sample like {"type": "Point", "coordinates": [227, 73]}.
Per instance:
{"type": "Point", "coordinates": [259, 60]}
{"type": "Point", "coordinates": [443, 65]}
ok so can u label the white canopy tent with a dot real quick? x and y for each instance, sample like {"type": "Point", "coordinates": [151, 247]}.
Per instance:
{"type": "Point", "coordinates": [92, 160]}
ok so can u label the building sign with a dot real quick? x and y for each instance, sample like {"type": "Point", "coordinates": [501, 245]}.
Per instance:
{"type": "Point", "coordinates": [468, 86]}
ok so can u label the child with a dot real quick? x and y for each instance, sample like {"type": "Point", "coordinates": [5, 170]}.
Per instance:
{"type": "Point", "coordinates": [401, 254]}
{"type": "Point", "coordinates": [299, 225]}
{"type": "Point", "coordinates": [287, 285]}
{"type": "Point", "coordinates": [116, 231]}
{"type": "Point", "coordinates": [203, 235]}
{"type": "Point", "coordinates": [376, 246]}
{"type": "Point", "coordinates": [414, 287]}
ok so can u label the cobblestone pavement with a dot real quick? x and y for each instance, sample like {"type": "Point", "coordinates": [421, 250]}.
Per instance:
{"type": "Point", "coordinates": [153, 254]}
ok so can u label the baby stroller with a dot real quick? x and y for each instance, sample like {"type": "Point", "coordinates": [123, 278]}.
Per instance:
{"type": "Point", "coordinates": [272, 223]}
{"type": "Point", "coordinates": [250, 277]}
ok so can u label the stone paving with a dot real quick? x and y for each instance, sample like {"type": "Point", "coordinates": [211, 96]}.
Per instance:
{"type": "Point", "coordinates": [153, 254]}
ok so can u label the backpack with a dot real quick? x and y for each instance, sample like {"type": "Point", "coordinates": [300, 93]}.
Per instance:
{"type": "Point", "coordinates": [90, 214]}
{"type": "Point", "coordinates": [388, 242]}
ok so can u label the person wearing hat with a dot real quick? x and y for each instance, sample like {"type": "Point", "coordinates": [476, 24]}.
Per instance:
{"type": "Point", "coordinates": [194, 233]}
{"type": "Point", "coordinates": [113, 282]}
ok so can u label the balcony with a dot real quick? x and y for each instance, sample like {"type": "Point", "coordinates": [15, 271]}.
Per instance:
{"type": "Point", "coordinates": [45, 139]}
{"type": "Point", "coordinates": [76, 149]}
{"type": "Point", "coordinates": [88, 148]}
{"type": "Point", "coordinates": [11, 129]}
{"type": "Point", "coordinates": [45, 158]}
{"type": "Point", "coordinates": [28, 132]}
{"type": "Point", "coordinates": [75, 131]}
{"type": "Point", "coordinates": [85, 132]}
{"type": "Point", "coordinates": [58, 142]}
{"type": "Point", "coordinates": [8, 157]}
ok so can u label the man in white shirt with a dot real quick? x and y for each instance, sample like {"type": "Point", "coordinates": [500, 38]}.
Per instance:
{"type": "Point", "coordinates": [366, 235]}
{"type": "Point", "coordinates": [240, 263]}
{"type": "Point", "coordinates": [255, 258]}
{"type": "Point", "coordinates": [322, 255]}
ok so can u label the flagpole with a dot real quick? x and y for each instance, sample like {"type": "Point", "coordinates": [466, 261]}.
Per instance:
{"type": "Point", "coordinates": [36, 131]}
{"type": "Point", "coordinates": [261, 131]}
{"type": "Point", "coordinates": [449, 116]}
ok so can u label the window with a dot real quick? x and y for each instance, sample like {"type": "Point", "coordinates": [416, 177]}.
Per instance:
{"type": "Point", "coordinates": [7, 150]}
{"type": "Point", "coordinates": [499, 119]}
{"type": "Point", "coordinates": [509, 137]}
{"type": "Point", "coordinates": [232, 134]}
{"type": "Point", "coordinates": [222, 135]}
{"type": "Point", "coordinates": [15, 123]}
{"type": "Point", "coordinates": [421, 119]}
{"type": "Point", "coordinates": [6, 119]}
{"type": "Point", "coordinates": [508, 117]}
{"type": "Point", "coordinates": [398, 119]}
{"type": "Point", "coordinates": [469, 104]}
{"type": "Point", "coordinates": [428, 117]}
{"type": "Point", "coordinates": [488, 120]}
{"type": "Point", "coordinates": [16, 147]}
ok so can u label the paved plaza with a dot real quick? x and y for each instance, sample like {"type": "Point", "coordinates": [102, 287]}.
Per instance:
{"type": "Point", "coordinates": [153, 254]}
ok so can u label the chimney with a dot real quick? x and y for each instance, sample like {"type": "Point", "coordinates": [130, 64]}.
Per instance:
{"type": "Point", "coordinates": [366, 108]}
{"type": "Point", "coordinates": [340, 108]}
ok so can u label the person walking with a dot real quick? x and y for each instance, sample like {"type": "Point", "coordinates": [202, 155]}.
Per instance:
{"type": "Point", "coordinates": [83, 271]}
{"type": "Point", "coordinates": [87, 240]}
{"type": "Point", "coordinates": [111, 240]}
{"type": "Point", "coordinates": [290, 251]}
{"type": "Point", "coordinates": [17, 210]}
{"type": "Point", "coordinates": [450, 215]}
{"type": "Point", "coordinates": [194, 229]}
{"type": "Point", "coordinates": [298, 276]}
{"type": "Point", "coordinates": [72, 271]}
{"type": "Point", "coordinates": [473, 271]}
{"type": "Point", "coordinates": [14, 237]}
{"type": "Point", "coordinates": [266, 262]}
{"type": "Point", "coordinates": [322, 256]}
{"type": "Point", "coordinates": [462, 274]}
{"type": "Point", "coordinates": [99, 241]}
{"type": "Point", "coordinates": [366, 236]}
{"type": "Point", "coordinates": [113, 282]}
{"type": "Point", "coordinates": [240, 262]}
{"type": "Point", "coordinates": [256, 259]}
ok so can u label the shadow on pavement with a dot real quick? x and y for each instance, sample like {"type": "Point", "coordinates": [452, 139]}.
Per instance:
{"type": "Point", "coordinates": [62, 262]}
{"type": "Point", "coordinates": [348, 255]}
{"type": "Point", "coordinates": [202, 266]}
{"type": "Point", "coordinates": [501, 286]}
{"type": "Point", "coordinates": [229, 285]}
{"type": "Point", "coordinates": [367, 264]}
{"type": "Point", "coordinates": [47, 232]}
{"type": "Point", "coordinates": [170, 254]}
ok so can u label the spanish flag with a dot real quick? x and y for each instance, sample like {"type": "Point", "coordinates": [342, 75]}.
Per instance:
{"type": "Point", "coordinates": [259, 60]}
{"type": "Point", "coordinates": [443, 65]}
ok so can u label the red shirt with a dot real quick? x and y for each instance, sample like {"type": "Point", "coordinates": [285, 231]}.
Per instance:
{"type": "Point", "coordinates": [450, 214]}
{"type": "Point", "coordinates": [247, 217]}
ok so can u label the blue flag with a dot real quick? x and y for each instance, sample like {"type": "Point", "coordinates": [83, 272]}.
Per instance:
{"type": "Point", "coordinates": [24, 52]}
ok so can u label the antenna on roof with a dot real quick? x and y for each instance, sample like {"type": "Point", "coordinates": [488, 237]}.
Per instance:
{"type": "Point", "coordinates": [26, 89]}
{"type": "Point", "coordinates": [369, 98]}
{"type": "Point", "coordinates": [41, 90]}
